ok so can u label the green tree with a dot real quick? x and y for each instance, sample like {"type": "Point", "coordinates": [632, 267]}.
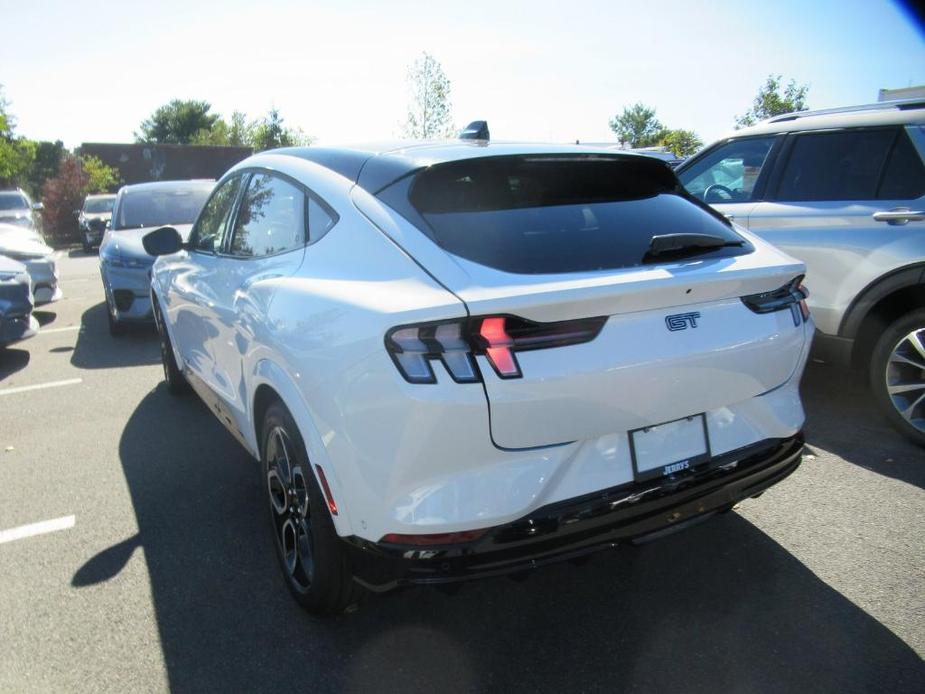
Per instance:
{"type": "Point", "coordinates": [771, 100]}
{"type": "Point", "coordinates": [682, 143]}
{"type": "Point", "coordinates": [178, 122]}
{"type": "Point", "coordinates": [430, 112]}
{"type": "Point", "coordinates": [637, 126]}
{"type": "Point", "coordinates": [241, 130]}
{"type": "Point", "coordinates": [100, 177]}
{"type": "Point", "coordinates": [44, 166]}
{"type": "Point", "coordinates": [16, 153]}
{"type": "Point", "coordinates": [271, 133]}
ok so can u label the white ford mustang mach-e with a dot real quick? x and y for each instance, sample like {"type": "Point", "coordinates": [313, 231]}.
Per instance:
{"type": "Point", "coordinates": [466, 359]}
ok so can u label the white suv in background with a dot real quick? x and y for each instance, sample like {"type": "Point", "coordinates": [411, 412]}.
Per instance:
{"type": "Point", "coordinates": [843, 190]}
{"type": "Point", "coordinates": [468, 359]}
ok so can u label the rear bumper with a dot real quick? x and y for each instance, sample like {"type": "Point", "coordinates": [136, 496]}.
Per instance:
{"type": "Point", "coordinates": [577, 527]}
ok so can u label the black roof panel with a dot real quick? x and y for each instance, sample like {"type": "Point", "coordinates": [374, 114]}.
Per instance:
{"type": "Point", "coordinates": [375, 166]}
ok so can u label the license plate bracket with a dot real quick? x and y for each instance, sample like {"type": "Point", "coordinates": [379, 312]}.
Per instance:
{"type": "Point", "coordinates": [669, 448]}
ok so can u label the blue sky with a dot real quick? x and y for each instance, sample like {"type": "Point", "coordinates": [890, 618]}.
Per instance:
{"type": "Point", "coordinates": [91, 71]}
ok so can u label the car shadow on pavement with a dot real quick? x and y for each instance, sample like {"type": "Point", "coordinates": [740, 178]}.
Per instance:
{"type": "Point", "coordinates": [720, 607]}
{"type": "Point", "coordinates": [12, 360]}
{"type": "Point", "coordinates": [842, 418]}
{"type": "Point", "coordinates": [44, 317]}
{"type": "Point", "coordinates": [97, 349]}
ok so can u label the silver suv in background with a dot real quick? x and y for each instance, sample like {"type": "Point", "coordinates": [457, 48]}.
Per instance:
{"type": "Point", "coordinates": [17, 208]}
{"type": "Point", "coordinates": [843, 190]}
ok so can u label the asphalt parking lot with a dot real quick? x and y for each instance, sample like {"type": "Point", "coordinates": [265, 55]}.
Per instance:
{"type": "Point", "coordinates": [166, 578]}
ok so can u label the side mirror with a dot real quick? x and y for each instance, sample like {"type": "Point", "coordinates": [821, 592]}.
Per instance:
{"type": "Point", "coordinates": [38, 206]}
{"type": "Point", "coordinates": [163, 241]}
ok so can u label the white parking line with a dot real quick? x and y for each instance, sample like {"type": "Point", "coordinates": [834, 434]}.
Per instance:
{"type": "Point", "coordinates": [40, 528]}
{"type": "Point", "coordinates": [41, 386]}
{"type": "Point", "coordinates": [44, 331]}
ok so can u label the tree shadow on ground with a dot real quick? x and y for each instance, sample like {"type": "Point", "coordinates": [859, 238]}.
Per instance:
{"type": "Point", "coordinates": [97, 349]}
{"type": "Point", "coordinates": [842, 418]}
{"type": "Point", "coordinates": [719, 608]}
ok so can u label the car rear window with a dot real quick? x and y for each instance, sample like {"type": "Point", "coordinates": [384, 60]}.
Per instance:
{"type": "Point", "coordinates": [555, 214]}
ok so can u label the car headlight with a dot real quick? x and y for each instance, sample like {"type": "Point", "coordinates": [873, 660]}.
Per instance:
{"type": "Point", "coordinates": [17, 277]}
{"type": "Point", "coordinates": [131, 263]}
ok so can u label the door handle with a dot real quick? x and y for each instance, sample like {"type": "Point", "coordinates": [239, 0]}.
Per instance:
{"type": "Point", "coordinates": [899, 216]}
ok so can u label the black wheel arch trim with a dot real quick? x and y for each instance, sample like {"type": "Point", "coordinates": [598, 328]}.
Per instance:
{"type": "Point", "coordinates": [873, 293]}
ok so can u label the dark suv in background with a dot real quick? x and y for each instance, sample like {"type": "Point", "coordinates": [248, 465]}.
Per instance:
{"type": "Point", "coordinates": [93, 218]}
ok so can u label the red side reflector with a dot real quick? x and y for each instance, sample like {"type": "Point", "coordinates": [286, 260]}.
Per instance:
{"type": "Point", "coordinates": [499, 346]}
{"type": "Point", "coordinates": [436, 539]}
{"type": "Point", "coordinates": [332, 505]}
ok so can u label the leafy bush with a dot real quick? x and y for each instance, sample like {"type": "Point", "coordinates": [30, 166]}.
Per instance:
{"type": "Point", "coordinates": [77, 177]}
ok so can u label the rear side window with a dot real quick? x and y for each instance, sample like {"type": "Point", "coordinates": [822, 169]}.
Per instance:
{"type": "Point", "coordinates": [271, 218]}
{"type": "Point", "coordinates": [556, 214]}
{"type": "Point", "coordinates": [320, 219]}
{"type": "Point", "coordinates": [904, 177]}
{"type": "Point", "coordinates": [835, 165]}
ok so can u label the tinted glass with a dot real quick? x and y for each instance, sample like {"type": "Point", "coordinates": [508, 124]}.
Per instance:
{"type": "Point", "coordinates": [835, 166]}
{"type": "Point", "coordinates": [13, 201]}
{"type": "Point", "coordinates": [904, 177]}
{"type": "Point", "coordinates": [207, 234]}
{"type": "Point", "coordinates": [271, 218]}
{"type": "Point", "coordinates": [552, 215]}
{"type": "Point", "coordinates": [729, 172]}
{"type": "Point", "coordinates": [320, 220]}
{"type": "Point", "coordinates": [98, 205]}
{"type": "Point", "coordinates": [162, 206]}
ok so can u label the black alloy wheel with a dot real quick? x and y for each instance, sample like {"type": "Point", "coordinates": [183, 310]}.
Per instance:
{"type": "Point", "coordinates": [290, 509]}
{"type": "Point", "coordinates": [310, 553]}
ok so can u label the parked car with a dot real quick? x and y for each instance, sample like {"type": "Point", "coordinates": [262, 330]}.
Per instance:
{"type": "Point", "coordinates": [124, 265]}
{"type": "Point", "coordinates": [92, 218]}
{"type": "Point", "coordinates": [844, 191]}
{"type": "Point", "coordinates": [16, 319]}
{"type": "Point", "coordinates": [26, 246]}
{"type": "Point", "coordinates": [464, 360]}
{"type": "Point", "coordinates": [17, 208]}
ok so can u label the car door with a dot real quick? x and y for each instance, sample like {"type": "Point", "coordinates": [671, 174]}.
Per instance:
{"type": "Point", "coordinates": [729, 176]}
{"type": "Point", "coordinates": [842, 201]}
{"type": "Point", "coordinates": [265, 243]}
{"type": "Point", "coordinates": [190, 281]}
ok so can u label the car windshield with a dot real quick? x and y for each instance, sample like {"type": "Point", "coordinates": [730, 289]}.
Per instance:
{"type": "Point", "coordinates": [97, 205]}
{"type": "Point", "coordinates": [13, 201]}
{"type": "Point", "coordinates": [161, 207]}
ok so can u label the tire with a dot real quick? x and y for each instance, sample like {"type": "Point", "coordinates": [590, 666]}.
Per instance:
{"type": "Point", "coordinates": [897, 375]}
{"type": "Point", "coordinates": [116, 327]}
{"type": "Point", "coordinates": [173, 377]}
{"type": "Point", "coordinates": [309, 551]}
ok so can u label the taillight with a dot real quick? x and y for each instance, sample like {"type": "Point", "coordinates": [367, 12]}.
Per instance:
{"type": "Point", "coordinates": [414, 348]}
{"type": "Point", "coordinates": [792, 296]}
